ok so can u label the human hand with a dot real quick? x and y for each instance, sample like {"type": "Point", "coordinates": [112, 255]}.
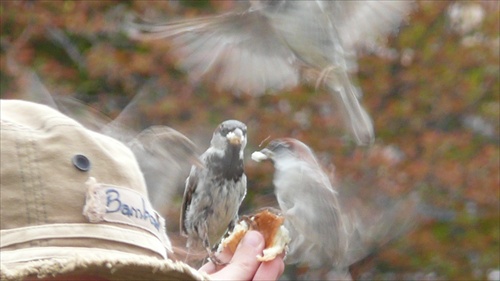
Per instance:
{"type": "Point", "coordinates": [243, 265]}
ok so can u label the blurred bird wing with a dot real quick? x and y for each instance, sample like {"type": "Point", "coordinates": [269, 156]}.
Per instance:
{"type": "Point", "coordinates": [306, 28]}
{"type": "Point", "coordinates": [380, 226]}
{"type": "Point", "coordinates": [164, 156]}
{"type": "Point", "coordinates": [91, 118]}
{"type": "Point", "coordinates": [164, 141]}
{"type": "Point", "coordinates": [88, 116]}
{"type": "Point", "coordinates": [316, 218]}
{"type": "Point", "coordinates": [361, 22]}
{"type": "Point", "coordinates": [191, 184]}
{"type": "Point", "coordinates": [240, 50]}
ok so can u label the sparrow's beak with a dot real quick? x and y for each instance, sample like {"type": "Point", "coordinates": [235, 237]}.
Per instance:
{"type": "Point", "coordinates": [264, 154]}
{"type": "Point", "coordinates": [236, 137]}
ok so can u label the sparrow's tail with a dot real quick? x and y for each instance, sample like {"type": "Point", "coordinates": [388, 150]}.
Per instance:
{"type": "Point", "coordinates": [357, 120]}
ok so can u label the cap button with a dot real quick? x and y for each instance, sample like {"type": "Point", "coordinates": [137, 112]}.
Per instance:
{"type": "Point", "coordinates": [81, 162]}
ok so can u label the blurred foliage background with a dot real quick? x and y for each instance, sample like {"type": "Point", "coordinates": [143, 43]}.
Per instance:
{"type": "Point", "coordinates": [432, 91]}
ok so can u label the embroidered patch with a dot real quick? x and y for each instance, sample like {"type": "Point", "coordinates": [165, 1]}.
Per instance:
{"type": "Point", "coordinates": [123, 205]}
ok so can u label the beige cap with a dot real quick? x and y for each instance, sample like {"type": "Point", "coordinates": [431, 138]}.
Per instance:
{"type": "Point", "coordinates": [75, 202]}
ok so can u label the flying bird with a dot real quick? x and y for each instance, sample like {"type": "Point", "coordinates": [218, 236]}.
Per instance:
{"type": "Point", "coordinates": [324, 234]}
{"type": "Point", "coordinates": [309, 203]}
{"type": "Point", "coordinates": [273, 43]}
{"type": "Point", "coordinates": [214, 191]}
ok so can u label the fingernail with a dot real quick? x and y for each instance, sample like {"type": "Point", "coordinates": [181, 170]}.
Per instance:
{"type": "Point", "coordinates": [252, 238]}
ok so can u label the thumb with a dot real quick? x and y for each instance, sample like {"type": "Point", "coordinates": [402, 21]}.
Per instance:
{"type": "Point", "coordinates": [244, 263]}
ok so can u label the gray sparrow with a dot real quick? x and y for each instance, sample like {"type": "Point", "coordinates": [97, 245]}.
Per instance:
{"type": "Point", "coordinates": [324, 233]}
{"type": "Point", "coordinates": [215, 190]}
{"type": "Point", "coordinates": [318, 230]}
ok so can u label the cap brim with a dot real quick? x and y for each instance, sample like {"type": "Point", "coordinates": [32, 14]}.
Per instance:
{"type": "Point", "coordinates": [111, 266]}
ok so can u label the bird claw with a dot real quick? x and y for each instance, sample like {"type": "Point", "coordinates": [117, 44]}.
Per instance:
{"type": "Point", "coordinates": [248, 221]}
{"type": "Point", "coordinates": [324, 74]}
{"type": "Point", "coordinates": [215, 260]}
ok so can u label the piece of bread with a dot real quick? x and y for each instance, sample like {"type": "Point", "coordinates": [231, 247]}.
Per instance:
{"type": "Point", "coordinates": [270, 224]}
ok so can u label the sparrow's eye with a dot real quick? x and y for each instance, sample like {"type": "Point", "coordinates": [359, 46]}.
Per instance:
{"type": "Point", "coordinates": [278, 145]}
{"type": "Point", "coordinates": [223, 131]}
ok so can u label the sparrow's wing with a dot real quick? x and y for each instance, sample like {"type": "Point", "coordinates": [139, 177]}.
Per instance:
{"type": "Point", "coordinates": [164, 156]}
{"type": "Point", "coordinates": [34, 90]}
{"type": "Point", "coordinates": [191, 184]}
{"type": "Point", "coordinates": [88, 116]}
{"type": "Point", "coordinates": [361, 22]}
{"type": "Point", "coordinates": [314, 220]}
{"type": "Point", "coordinates": [161, 139]}
{"type": "Point", "coordinates": [240, 51]}
{"type": "Point", "coordinates": [374, 225]}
